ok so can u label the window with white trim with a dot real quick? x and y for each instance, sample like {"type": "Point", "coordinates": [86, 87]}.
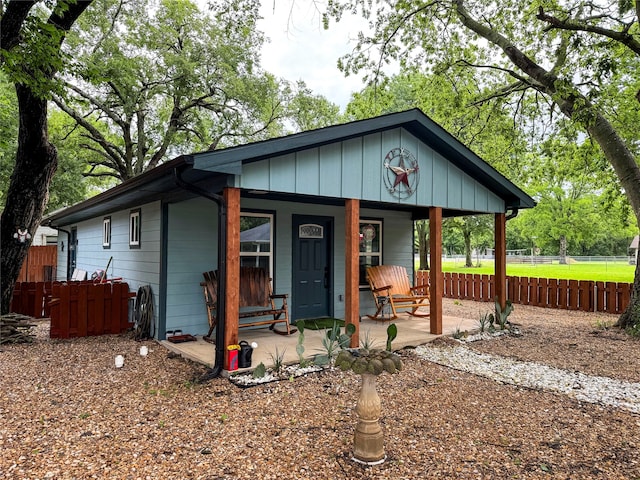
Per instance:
{"type": "Point", "coordinates": [106, 232]}
{"type": "Point", "coordinates": [370, 247]}
{"type": "Point", "coordinates": [134, 229]}
{"type": "Point", "coordinates": [256, 240]}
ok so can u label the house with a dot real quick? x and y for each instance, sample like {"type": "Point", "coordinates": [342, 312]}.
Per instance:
{"type": "Point", "coordinates": [44, 236]}
{"type": "Point", "coordinates": [314, 208]}
{"type": "Point", "coordinates": [633, 250]}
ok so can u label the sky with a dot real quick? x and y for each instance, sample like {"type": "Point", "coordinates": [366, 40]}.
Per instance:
{"type": "Point", "coordinates": [300, 49]}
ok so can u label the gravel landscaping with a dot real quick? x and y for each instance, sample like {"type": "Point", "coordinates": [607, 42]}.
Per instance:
{"type": "Point", "coordinates": [66, 412]}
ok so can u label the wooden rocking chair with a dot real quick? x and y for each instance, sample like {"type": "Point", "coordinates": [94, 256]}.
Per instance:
{"type": "Point", "coordinates": [390, 287]}
{"type": "Point", "coordinates": [256, 297]}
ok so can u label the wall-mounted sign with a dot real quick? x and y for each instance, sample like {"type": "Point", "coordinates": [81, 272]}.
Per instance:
{"type": "Point", "coordinates": [368, 233]}
{"type": "Point", "coordinates": [401, 173]}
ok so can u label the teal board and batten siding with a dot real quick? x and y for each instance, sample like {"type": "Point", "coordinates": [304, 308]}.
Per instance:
{"type": "Point", "coordinates": [354, 169]}
{"type": "Point", "coordinates": [136, 266]}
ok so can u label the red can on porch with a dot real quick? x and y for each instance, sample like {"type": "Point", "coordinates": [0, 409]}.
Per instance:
{"type": "Point", "coordinates": [233, 360]}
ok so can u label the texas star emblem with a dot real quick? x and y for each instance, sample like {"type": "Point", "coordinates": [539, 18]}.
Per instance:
{"type": "Point", "coordinates": [402, 173]}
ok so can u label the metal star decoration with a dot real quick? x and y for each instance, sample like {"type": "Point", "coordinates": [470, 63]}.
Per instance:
{"type": "Point", "coordinates": [405, 177]}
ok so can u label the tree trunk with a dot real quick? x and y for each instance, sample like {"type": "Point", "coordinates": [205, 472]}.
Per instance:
{"type": "Point", "coordinates": [36, 158]}
{"type": "Point", "coordinates": [422, 230]}
{"type": "Point", "coordinates": [631, 316]}
{"type": "Point", "coordinates": [563, 250]}
{"type": "Point", "coordinates": [467, 249]}
{"type": "Point", "coordinates": [578, 108]}
{"type": "Point", "coordinates": [36, 162]}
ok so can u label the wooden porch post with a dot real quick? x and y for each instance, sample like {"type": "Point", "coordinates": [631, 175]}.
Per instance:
{"type": "Point", "coordinates": [352, 263]}
{"type": "Point", "coordinates": [436, 288]}
{"type": "Point", "coordinates": [500, 274]}
{"type": "Point", "coordinates": [232, 279]}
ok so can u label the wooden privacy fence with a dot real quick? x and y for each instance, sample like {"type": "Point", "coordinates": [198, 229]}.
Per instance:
{"type": "Point", "coordinates": [31, 298]}
{"type": "Point", "coordinates": [76, 309]}
{"type": "Point", "coordinates": [40, 264]}
{"type": "Point", "coordinates": [586, 295]}
{"type": "Point", "coordinates": [81, 309]}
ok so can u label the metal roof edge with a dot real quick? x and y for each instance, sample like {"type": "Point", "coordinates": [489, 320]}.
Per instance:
{"type": "Point", "coordinates": [303, 140]}
{"type": "Point", "coordinates": [126, 186]}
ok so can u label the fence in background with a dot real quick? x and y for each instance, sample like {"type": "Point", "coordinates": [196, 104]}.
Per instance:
{"type": "Point", "coordinates": [546, 259]}
{"type": "Point", "coordinates": [76, 309]}
{"type": "Point", "coordinates": [40, 264]}
{"type": "Point", "coordinates": [585, 295]}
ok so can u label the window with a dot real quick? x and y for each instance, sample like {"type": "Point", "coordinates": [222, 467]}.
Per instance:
{"type": "Point", "coordinates": [106, 232]}
{"type": "Point", "coordinates": [134, 229]}
{"type": "Point", "coordinates": [370, 247]}
{"type": "Point", "coordinates": [309, 230]}
{"type": "Point", "coordinates": [256, 240]}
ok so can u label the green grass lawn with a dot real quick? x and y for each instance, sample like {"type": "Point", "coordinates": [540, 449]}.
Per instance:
{"type": "Point", "coordinates": [597, 271]}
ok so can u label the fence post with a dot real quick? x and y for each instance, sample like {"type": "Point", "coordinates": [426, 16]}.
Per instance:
{"type": "Point", "coordinates": [573, 295]}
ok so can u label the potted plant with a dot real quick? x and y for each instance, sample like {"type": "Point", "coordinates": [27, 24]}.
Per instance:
{"type": "Point", "coordinates": [368, 362]}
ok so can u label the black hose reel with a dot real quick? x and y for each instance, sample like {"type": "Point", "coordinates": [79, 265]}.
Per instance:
{"type": "Point", "coordinates": [144, 327]}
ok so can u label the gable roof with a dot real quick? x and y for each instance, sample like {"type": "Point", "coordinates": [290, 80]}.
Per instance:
{"type": "Point", "coordinates": [212, 167]}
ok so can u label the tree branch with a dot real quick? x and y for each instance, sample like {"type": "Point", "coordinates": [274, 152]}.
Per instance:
{"type": "Point", "coordinates": [575, 25]}
{"type": "Point", "coordinates": [112, 114]}
{"type": "Point", "coordinates": [114, 153]}
{"type": "Point", "coordinates": [64, 16]}
{"type": "Point", "coordinates": [13, 18]}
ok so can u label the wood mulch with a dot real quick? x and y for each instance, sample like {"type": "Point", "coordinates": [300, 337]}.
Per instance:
{"type": "Point", "coordinates": [67, 412]}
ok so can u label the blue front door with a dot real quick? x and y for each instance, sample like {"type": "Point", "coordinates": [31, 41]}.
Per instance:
{"type": "Point", "coordinates": [312, 272]}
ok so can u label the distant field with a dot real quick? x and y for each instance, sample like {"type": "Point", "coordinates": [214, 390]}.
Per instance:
{"type": "Point", "coordinates": [597, 271]}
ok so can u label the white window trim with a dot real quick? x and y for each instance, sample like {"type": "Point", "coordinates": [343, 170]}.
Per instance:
{"type": "Point", "coordinates": [268, 254]}
{"type": "Point", "coordinates": [378, 254]}
{"type": "Point", "coordinates": [134, 228]}
{"type": "Point", "coordinates": [106, 232]}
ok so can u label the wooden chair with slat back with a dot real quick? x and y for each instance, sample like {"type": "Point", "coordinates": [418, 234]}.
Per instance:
{"type": "Point", "coordinates": [390, 285]}
{"type": "Point", "coordinates": [257, 301]}
{"type": "Point", "coordinates": [210, 290]}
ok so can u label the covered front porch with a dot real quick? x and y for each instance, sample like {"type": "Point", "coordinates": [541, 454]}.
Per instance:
{"type": "Point", "coordinates": [412, 331]}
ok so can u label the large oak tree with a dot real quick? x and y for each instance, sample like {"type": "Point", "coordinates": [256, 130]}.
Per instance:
{"type": "Point", "coordinates": [156, 78]}
{"type": "Point", "coordinates": [31, 36]}
{"type": "Point", "coordinates": [565, 53]}
{"type": "Point", "coordinates": [153, 79]}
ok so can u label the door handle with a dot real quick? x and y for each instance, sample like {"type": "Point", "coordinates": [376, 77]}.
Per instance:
{"type": "Point", "coordinates": [326, 277]}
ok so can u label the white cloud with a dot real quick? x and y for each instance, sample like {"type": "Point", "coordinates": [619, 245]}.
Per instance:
{"type": "Point", "coordinates": [300, 48]}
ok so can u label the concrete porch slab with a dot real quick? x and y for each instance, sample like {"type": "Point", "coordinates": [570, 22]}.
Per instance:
{"type": "Point", "coordinates": [412, 331]}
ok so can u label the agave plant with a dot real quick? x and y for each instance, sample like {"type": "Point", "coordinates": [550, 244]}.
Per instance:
{"type": "Point", "coordinates": [334, 342]}
{"type": "Point", "coordinates": [502, 315]}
